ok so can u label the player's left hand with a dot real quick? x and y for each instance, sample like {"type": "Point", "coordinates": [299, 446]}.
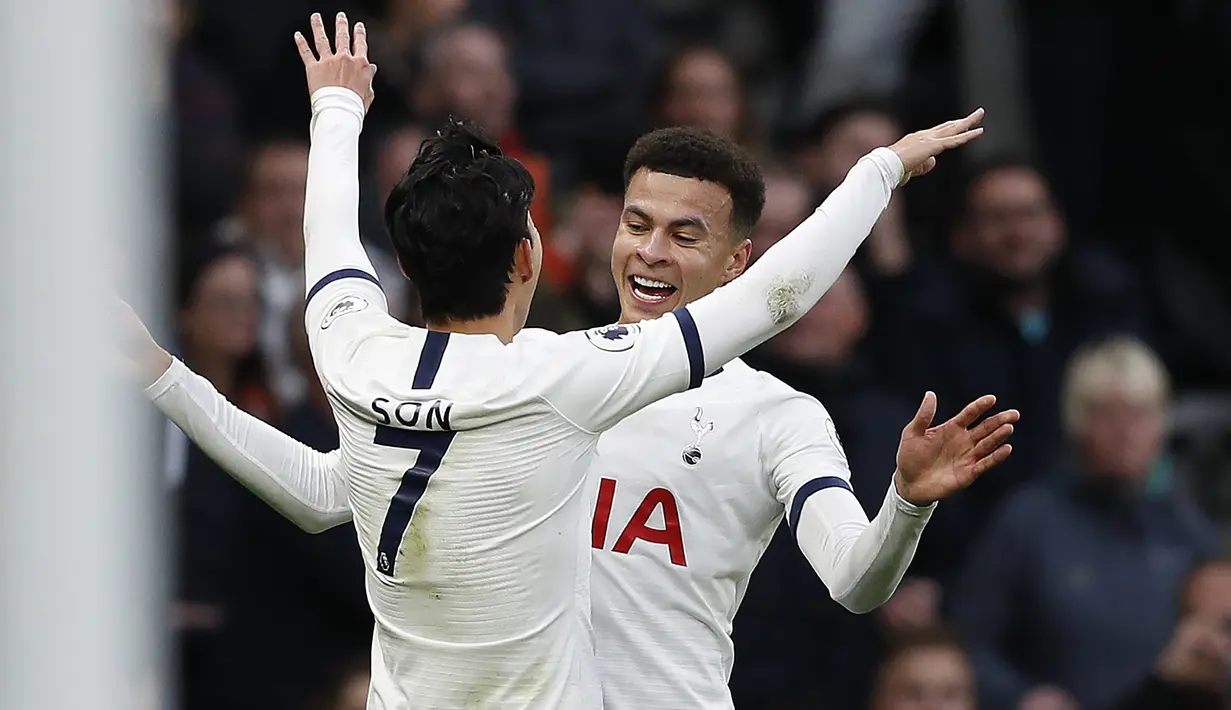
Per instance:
{"type": "Point", "coordinates": [935, 462]}
{"type": "Point", "coordinates": [341, 65]}
{"type": "Point", "coordinates": [141, 358]}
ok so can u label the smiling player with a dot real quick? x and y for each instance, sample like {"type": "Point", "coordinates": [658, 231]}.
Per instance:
{"type": "Point", "coordinates": [689, 490]}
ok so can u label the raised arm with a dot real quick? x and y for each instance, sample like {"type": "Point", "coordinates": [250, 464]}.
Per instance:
{"type": "Point", "coordinates": [633, 365]}
{"type": "Point", "coordinates": [861, 561]}
{"type": "Point", "coordinates": [339, 83]}
{"type": "Point", "coordinates": [305, 485]}
{"type": "Point", "coordinates": [794, 273]}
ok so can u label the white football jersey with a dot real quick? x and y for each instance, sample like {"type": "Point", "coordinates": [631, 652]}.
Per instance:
{"type": "Point", "coordinates": [466, 461]}
{"type": "Point", "coordinates": [465, 458]}
{"type": "Point", "coordinates": [688, 493]}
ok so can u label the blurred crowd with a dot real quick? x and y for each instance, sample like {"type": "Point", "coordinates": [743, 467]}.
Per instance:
{"type": "Point", "coordinates": [1069, 262]}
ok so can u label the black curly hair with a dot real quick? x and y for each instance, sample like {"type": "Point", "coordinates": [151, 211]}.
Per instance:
{"type": "Point", "coordinates": [703, 155]}
{"type": "Point", "coordinates": [455, 220]}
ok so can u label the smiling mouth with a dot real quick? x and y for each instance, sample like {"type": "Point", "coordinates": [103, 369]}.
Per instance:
{"type": "Point", "coordinates": [650, 291]}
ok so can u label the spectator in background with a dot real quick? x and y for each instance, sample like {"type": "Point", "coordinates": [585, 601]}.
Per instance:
{"type": "Point", "coordinates": [326, 621]}
{"type": "Point", "coordinates": [349, 689]}
{"type": "Point", "coordinates": [464, 72]}
{"type": "Point", "coordinates": [1004, 315]}
{"type": "Point", "coordinates": [583, 70]}
{"type": "Point", "coordinates": [396, 150]}
{"type": "Point", "coordinates": [924, 669]}
{"type": "Point", "coordinates": [394, 45]}
{"type": "Point", "coordinates": [585, 235]}
{"type": "Point", "coordinates": [1194, 671]}
{"type": "Point", "coordinates": [700, 86]}
{"type": "Point", "coordinates": [823, 155]}
{"type": "Point", "coordinates": [1072, 593]}
{"type": "Point", "coordinates": [208, 144]}
{"type": "Point", "coordinates": [270, 220]}
{"type": "Point", "coordinates": [219, 308]}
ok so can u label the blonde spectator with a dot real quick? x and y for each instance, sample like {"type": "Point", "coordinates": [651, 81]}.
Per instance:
{"type": "Point", "coordinates": [1072, 593]}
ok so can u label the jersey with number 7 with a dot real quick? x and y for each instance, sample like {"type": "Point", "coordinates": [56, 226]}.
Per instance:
{"type": "Point", "coordinates": [466, 456]}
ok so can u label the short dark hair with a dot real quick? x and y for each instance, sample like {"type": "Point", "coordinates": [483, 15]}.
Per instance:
{"type": "Point", "coordinates": [979, 170]}
{"type": "Point", "coordinates": [198, 258]}
{"type": "Point", "coordinates": [455, 220]}
{"type": "Point", "coordinates": [702, 154]}
{"type": "Point", "coordinates": [818, 128]}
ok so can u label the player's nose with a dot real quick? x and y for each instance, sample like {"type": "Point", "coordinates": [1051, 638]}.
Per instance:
{"type": "Point", "coordinates": [654, 248]}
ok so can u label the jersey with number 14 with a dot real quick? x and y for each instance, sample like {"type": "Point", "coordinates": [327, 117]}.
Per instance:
{"type": "Point", "coordinates": [466, 460]}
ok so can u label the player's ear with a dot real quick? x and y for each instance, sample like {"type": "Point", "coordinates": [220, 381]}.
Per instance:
{"type": "Point", "coordinates": [523, 261]}
{"type": "Point", "coordinates": [738, 261]}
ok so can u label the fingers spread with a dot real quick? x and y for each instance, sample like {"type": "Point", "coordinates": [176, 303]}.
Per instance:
{"type": "Point", "coordinates": [361, 40]}
{"type": "Point", "coordinates": [972, 120]}
{"type": "Point", "coordinates": [318, 34]}
{"type": "Point", "coordinates": [990, 443]}
{"type": "Point", "coordinates": [971, 412]}
{"type": "Point", "coordinates": [960, 139]}
{"type": "Point", "coordinates": [989, 462]}
{"type": "Point", "coordinates": [305, 51]}
{"type": "Point", "coordinates": [987, 426]}
{"type": "Point", "coordinates": [341, 41]}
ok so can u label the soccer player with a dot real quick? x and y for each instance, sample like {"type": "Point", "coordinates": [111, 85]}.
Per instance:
{"type": "Point", "coordinates": [465, 445]}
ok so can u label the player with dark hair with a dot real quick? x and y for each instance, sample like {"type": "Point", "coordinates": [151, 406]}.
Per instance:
{"type": "Point", "coordinates": [465, 446]}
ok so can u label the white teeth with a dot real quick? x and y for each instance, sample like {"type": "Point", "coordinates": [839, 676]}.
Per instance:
{"type": "Point", "coordinates": [650, 283]}
{"type": "Point", "coordinates": [647, 297]}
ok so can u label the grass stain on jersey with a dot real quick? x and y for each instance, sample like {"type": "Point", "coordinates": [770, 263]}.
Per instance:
{"type": "Point", "coordinates": [416, 548]}
{"type": "Point", "coordinates": [784, 296]}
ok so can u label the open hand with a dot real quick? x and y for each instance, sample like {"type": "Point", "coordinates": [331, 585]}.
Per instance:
{"type": "Point", "coordinates": [935, 462]}
{"type": "Point", "coordinates": [341, 65]}
{"type": "Point", "coordinates": [918, 150]}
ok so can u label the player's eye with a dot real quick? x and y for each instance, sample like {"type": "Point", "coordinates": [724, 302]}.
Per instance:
{"type": "Point", "coordinates": [686, 238]}
{"type": "Point", "coordinates": [636, 227]}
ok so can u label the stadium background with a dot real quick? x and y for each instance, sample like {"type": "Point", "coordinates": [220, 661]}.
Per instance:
{"type": "Point", "coordinates": [1113, 106]}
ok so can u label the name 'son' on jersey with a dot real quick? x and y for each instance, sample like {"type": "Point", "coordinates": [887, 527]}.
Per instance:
{"type": "Point", "coordinates": [432, 415]}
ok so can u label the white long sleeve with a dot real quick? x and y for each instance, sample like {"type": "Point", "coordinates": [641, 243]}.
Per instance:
{"type": "Point", "coordinates": [794, 273]}
{"type": "Point", "coordinates": [306, 486]}
{"type": "Point", "coordinates": [860, 562]}
{"type": "Point", "coordinates": [331, 200]}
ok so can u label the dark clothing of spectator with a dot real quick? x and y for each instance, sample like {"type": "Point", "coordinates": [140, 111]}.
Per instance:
{"type": "Point", "coordinates": [208, 141]}
{"type": "Point", "coordinates": [207, 502]}
{"type": "Point", "coordinates": [297, 609]}
{"type": "Point", "coordinates": [1158, 694]}
{"type": "Point", "coordinates": [1076, 585]}
{"type": "Point", "coordinates": [948, 333]}
{"type": "Point", "coordinates": [583, 68]}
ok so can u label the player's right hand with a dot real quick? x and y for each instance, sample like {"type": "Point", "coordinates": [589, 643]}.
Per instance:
{"type": "Point", "coordinates": [341, 65]}
{"type": "Point", "coordinates": [918, 150]}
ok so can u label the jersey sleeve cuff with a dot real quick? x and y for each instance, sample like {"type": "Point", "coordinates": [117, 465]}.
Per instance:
{"type": "Point", "coordinates": [890, 166]}
{"type": "Point", "coordinates": [337, 97]}
{"type": "Point", "coordinates": [906, 507]}
{"type": "Point", "coordinates": [172, 377]}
